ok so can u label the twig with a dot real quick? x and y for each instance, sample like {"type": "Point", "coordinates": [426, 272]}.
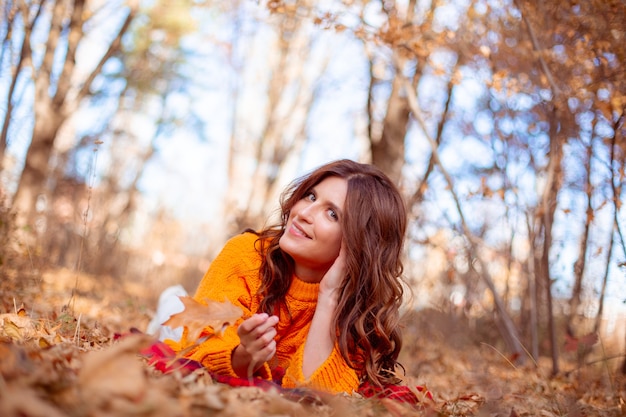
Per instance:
{"type": "Point", "coordinates": [77, 332]}
{"type": "Point", "coordinates": [77, 268]}
{"type": "Point", "coordinates": [500, 353]}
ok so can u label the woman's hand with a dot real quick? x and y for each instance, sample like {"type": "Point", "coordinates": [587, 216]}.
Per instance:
{"type": "Point", "coordinates": [256, 344]}
{"type": "Point", "coordinates": [334, 276]}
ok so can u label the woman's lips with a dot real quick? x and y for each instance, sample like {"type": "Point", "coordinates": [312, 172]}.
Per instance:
{"type": "Point", "coordinates": [297, 230]}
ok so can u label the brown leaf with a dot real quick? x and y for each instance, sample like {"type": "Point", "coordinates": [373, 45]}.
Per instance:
{"type": "Point", "coordinates": [114, 372]}
{"type": "Point", "coordinates": [22, 311]}
{"type": "Point", "coordinates": [196, 316]}
{"type": "Point", "coordinates": [17, 327]}
{"type": "Point", "coordinates": [24, 401]}
{"type": "Point", "coordinates": [11, 329]}
{"type": "Point", "coordinates": [395, 408]}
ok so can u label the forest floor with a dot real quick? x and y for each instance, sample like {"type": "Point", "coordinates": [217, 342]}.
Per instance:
{"type": "Point", "coordinates": [59, 357]}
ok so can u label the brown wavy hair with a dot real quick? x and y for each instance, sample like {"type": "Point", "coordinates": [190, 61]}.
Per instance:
{"type": "Point", "coordinates": [374, 223]}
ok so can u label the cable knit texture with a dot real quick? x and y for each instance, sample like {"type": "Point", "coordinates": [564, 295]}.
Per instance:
{"type": "Point", "coordinates": [234, 276]}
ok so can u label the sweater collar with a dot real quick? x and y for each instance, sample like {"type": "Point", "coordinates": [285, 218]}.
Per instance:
{"type": "Point", "coordinates": [303, 291]}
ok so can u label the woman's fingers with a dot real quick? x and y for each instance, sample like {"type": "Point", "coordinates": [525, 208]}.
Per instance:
{"type": "Point", "coordinates": [257, 334]}
{"type": "Point", "coordinates": [334, 276]}
{"type": "Point", "coordinates": [251, 323]}
{"type": "Point", "coordinates": [266, 353]}
{"type": "Point", "coordinates": [256, 325]}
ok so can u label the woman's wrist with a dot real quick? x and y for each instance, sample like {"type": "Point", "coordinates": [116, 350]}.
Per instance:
{"type": "Point", "coordinates": [240, 361]}
{"type": "Point", "coordinates": [328, 296]}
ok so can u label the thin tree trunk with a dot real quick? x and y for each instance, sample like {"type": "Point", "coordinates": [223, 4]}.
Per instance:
{"type": "Point", "coordinates": [617, 195]}
{"type": "Point", "coordinates": [548, 204]}
{"type": "Point", "coordinates": [579, 265]}
{"type": "Point", "coordinates": [547, 210]}
{"type": "Point", "coordinates": [268, 139]}
{"type": "Point", "coordinates": [291, 95]}
{"type": "Point", "coordinates": [24, 59]}
{"type": "Point", "coordinates": [605, 279]}
{"type": "Point", "coordinates": [421, 188]}
{"type": "Point", "coordinates": [532, 293]}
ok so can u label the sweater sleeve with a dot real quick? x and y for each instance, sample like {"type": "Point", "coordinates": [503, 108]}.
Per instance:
{"type": "Point", "coordinates": [232, 276]}
{"type": "Point", "coordinates": [334, 375]}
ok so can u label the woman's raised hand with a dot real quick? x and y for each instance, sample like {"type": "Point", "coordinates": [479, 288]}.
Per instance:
{"type": "Point", "coordinates": [334, 276]}
{"type": "Point", "coordinates": [256, 344]}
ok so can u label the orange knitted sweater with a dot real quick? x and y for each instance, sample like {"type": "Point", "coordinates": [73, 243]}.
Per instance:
{"type": "Point", "coordinates": [234, 275]}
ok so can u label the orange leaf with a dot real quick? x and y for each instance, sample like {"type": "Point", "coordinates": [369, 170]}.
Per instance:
{"type": "Point", "coordinates": [196, 316]}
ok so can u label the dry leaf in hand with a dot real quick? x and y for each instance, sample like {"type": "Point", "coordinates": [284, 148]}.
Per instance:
{"type": "Point", "coordinates": [196, 317]}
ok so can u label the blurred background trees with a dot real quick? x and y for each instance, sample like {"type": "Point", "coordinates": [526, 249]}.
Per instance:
{"type": "Point", "coordinates": [138, 136]}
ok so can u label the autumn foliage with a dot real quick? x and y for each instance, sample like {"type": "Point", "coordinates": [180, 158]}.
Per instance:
{"type": "Point", "coordinates": [55, 362]}
{"type": "Point", "coordinates": [503, 121]}
{"type": "Point", "coordinates": [196, 317]}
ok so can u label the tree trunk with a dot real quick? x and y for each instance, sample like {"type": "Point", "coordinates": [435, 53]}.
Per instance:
{"type": "Point", "coordinates": [388, 150]}
{"type": "Point", "coordinates": [617, 195]}
{"type": "Point", "coordinates": [51, 111]}
{"type": "Point", "coordinates": [35, 172]}
{"type": "Point", "coordinates": [605, 279]}
{"type": "Point", "coordinates": [546, 213]}
{"type": "Point", "coordinates": [532, 294]}
{"type": "Point", "coordinates": [24, 59]}
{"type": "Point", "coordinates": [579, 265]}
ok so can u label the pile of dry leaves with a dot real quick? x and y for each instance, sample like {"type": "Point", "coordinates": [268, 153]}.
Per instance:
{"type": "Point", "coordinates": [59, 356]}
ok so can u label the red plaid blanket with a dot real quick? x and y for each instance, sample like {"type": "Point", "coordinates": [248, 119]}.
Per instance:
{"type": "Point", "coordinates": [163, 358]}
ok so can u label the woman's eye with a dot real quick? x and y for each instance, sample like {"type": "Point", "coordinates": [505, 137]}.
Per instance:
{"type": "Point", "coordinates": [310, 196]}
{"type": "Point", "coordinates": [332, 214]}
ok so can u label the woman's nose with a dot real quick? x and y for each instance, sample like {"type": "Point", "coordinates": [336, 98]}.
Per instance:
{"type": "Point", "coordinates": [306, 213]}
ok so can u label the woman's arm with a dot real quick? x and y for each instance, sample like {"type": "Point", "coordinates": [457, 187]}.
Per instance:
{"type": "Point", "coordinates": [233, 276]}
{"type": "Point", "coordinates": [320, 340]}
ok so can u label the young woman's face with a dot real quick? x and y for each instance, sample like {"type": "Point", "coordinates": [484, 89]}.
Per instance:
{"type": "Point", "coordinates": [313, 232]}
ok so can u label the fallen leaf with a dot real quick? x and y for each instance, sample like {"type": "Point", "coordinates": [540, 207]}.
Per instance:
{"type": "Point", "coordinates": [464, 405]}
{"type": "Point", "coordinates": [22, 311]}
{"type": "Point", "coordinates": [12, 330]}
{"type": "Point", "coordinates": [25, 401]}
{"type": "Point", "coordinates": [196, 316]}
{"type": "Point", "coordinates": [17, 327]}
{"type": "Point", "coordinates": [115, 371]}
{"type": "Point", "coordinates": [395, 408]}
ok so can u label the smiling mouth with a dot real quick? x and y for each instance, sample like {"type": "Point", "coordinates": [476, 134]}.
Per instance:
{"type": "Point", "coordinates": [298, 231]}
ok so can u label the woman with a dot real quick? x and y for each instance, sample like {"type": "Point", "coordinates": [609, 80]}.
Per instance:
{"type": "Point", "coordinates": [320, 290]}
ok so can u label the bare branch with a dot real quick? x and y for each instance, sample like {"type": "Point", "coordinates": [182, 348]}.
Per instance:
{"type": "Point", "coordinates": [44, 76]}
{"type": "Point", "coordinates": [113, 48]}
{"type": "Point", "coordinates": [74, 37]}
{"type": "Point", "coordinates": [510, 333]}
{"type": "Point", "coordinates": [533, 38]}
{"type": "Point", "coordinates": [419, 192]}
{"type": "Point", "coordinates": [23, 60]}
